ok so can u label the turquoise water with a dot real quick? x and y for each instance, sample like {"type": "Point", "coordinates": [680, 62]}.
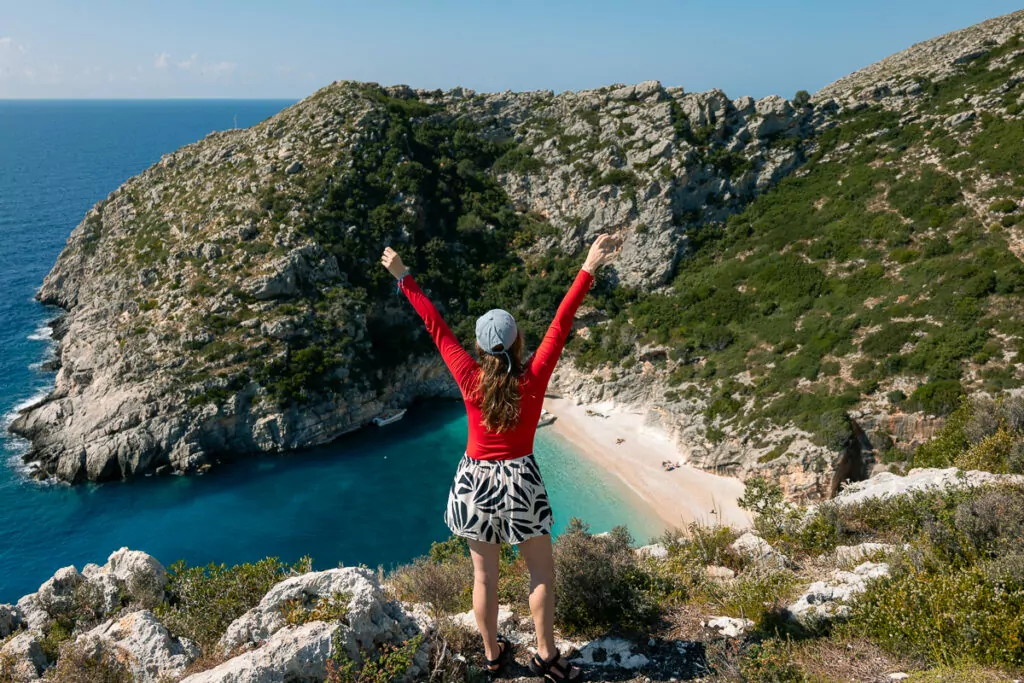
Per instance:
{"type": "Point", "coordinates": [376, 497]}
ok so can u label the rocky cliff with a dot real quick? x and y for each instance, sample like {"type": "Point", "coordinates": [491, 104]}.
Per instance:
{"type": "Point", "coordinates": [228, 299]}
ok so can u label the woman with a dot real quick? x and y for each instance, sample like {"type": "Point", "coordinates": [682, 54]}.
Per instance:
{"type": "Point", "coordinates": [498, 495]}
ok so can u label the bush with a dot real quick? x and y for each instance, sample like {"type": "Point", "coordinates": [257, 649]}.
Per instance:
{"type": "Point", "coordinates": [948, 442]}
{"type": "Point", "coordinates": [446, 584]}
{"type": "Point", "coordinates": [939, 397]}
{"type": "Point", "coordinates": [992, 454]}
{"type": "Point", "coordinates": [203, 601]}
{"type": "Point", "coordinates": [944, 617]}
{"type": "Point", "coordinates": [387, 665]}
{"type": "Point", "coordinates": [75, 666]}
{"type": "Point", "coordinates": [1003, 206]}
{"type": "Point", "coordinates": [771, 661]}
{"type": "Point", "coordinates": [600, 583]}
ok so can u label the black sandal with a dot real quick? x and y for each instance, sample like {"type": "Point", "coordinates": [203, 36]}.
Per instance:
{"type": "Point", "coordinates": [501, 660]}
{"type": "Point", "coordinates": [555, 670]}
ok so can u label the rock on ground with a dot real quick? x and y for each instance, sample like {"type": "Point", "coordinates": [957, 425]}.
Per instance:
{"type": "Point", "coordinates": [887, 484]}
{"type": "Point", "coordinates": [370, 622]}
{"type": "Point", "coordinates": [297, 654]}
{"type": "Point", "coordinates": [757, 550]}
{"type": "Point", "coordinates": [25, 655]}
{"type": "Point", "coordinates": [855, 554]}
{"type": "Point", "coordinates": [824, 600]}
{"type": "Point", "coordinates": [730, 627]}
{"type": "Point", "coordinates": [144, 643]}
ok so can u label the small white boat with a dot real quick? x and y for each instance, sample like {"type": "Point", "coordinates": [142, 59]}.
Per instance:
{"type": "Point", "coordinates": [546, 418]}
{"type": "Point", "coordinates": [389, 417]}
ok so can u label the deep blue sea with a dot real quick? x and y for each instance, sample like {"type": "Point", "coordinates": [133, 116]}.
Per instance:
{"type": "Point", "coordinates": [375, 498]}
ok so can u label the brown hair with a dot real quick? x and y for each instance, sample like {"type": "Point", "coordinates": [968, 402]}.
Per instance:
{"type": "Point", "coordinates": [498, 389]}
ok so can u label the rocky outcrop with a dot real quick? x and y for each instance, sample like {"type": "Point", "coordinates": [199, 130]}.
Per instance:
{"type": "Point", "coordinates": [758, 551]}
{"type": "Point", "coordinates": [142, 642]}
{"type": "Point", "coordinates": [886, 484]}
{"type": "Point", "coordinates": [934, 59]}
{"type": "Point", "coordinates": [281, 651]}
{"type": "Point", "coordinates": [24, 656]}
{"type": "Point", "coordinates": [824, 601]}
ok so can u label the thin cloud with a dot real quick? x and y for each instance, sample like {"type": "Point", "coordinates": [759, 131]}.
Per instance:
{"type": "Point", "coordinates": [189, 63]}
{"type": "Point", "coordinates": [162, 60]}
{"type": "Point", "coordinates": [219, 69]}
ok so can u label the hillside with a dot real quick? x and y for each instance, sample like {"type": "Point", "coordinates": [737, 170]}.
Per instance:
{"type": "Point", "coordinates": [806, 286]}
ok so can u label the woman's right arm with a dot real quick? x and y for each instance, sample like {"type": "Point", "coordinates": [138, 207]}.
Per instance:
{"type": "Point", "coordinates": [459, 362]}
{"type": "Point", "coordinates": [603, 250]}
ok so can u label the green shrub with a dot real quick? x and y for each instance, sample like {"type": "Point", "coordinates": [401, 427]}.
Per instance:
{"type": "Point", "coordinates": [939, 397]}
{"type": "Point", "coordinates": [600, 583]}
{"type": "Point", "coordinates": [948, 443]}
{"type": "Point", "coordinates": [328, 608]}
{"type": "Point", "coordinates": [992, 454]}
{"type": "Point", "coordinates": [1003, 206]}
{"type": "Point", "coordinates": [771, 661]}
{"type": "Point", "coordinates": [203, 601]}
{"type": "Point", "coordinates": [386, 665]}
{"type": "Point", "coordinates": [446, 584]}
{"type": "Point", "coordinates": [74, 665]}
{"type": "Point", "coordinates": [944, 617]}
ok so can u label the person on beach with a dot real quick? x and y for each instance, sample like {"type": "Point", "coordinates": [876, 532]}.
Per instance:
{"type": "Point", "coordinates": [498, 495]}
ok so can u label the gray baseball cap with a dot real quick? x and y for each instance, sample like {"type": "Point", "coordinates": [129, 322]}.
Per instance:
{"type": "Point", "coordinates": [496, 328]}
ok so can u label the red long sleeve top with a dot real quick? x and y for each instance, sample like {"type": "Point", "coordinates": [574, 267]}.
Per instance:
{"type": "Point", "coordinates": [533, 383]}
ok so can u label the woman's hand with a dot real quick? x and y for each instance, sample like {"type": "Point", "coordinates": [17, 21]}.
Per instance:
{"type": "Point", "coordinates": [393, 262]}
{"type": "Point", "coordinates": [604, 250]}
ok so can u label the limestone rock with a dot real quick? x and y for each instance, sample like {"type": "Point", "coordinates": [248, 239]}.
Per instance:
{"type": "Point", "coordinates": [297, 654]}
{"type": "Point", "coordinates": [887, 484]}
{"type": "Point", "coordinates": [371, 620]}
{"type": "Point", "coordinates": [729, 626]}
{"type": "Point", "coordinates": [757, 550]}
{"type": "Point", "coordinates": [57, 595]}
{"type": "Point", "coordinates": [10, 620]}
{"type": "Point", "coordinates": [144, 643]}
{"type": "Point", "coordinates": [506, 620]}
{"type": "Point", "coordinates": [610, 652]}
{"type": "Point", "coordinates": [719, 573]}
{"type": "Point", "coordinates": [26, 656]}
{"type": "Point", "coordinates": [855, 554]}
{"type": "Point", "coordinates": [654, 551]}
{"type": "Point", "coordinates": [825, 600]}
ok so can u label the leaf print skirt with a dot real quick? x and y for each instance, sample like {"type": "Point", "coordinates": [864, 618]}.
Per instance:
{"type": "Point", "coordinates": [498, 501]}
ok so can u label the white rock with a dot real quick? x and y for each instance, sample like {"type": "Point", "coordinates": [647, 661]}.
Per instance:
{"type": "Point", "coordinates": [887, 484]}
{"type": "Point", "coordinates": [720, 573]}
{"type": "Point", "coordinates": [139, 574]}
{"type": "Point", "coordinates": [296, 653]}
{"type": "Point", "coordinates": [655, 551]}
{"type": "Point", "coordinates": [57, 594]}
{"type": "Point", "coordinates": [730, 627]}
{"type": "Point", "coordinates": [10, 619]}
{"type": "Point", "coordinates": [32, 613]}
{"type": "Point", "coordinates": [758, 550]}
{"type": "Point", "coordinates": [899, 676]}
{"type": "Point", "coordinates": [824, 600]}
{"type": "Point", "coordinates": [144, 643]}
{"type": "Point", "coordinates": [854, 554]}
{"type": "Point", "coordinates": [370, 621]}
{"type": "Point", "coordinates": [616, 652]}
{"type": "Point", "coordinates": [506, 620]}
{"type": "Point", "coordinates": [25, 655]}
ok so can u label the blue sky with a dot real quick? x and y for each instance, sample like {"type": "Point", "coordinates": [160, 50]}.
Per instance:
{"type": "Point", "coordinates": [278, 49]}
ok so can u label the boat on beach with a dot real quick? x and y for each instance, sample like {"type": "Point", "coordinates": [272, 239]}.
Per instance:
{"type": "Point", "coordinates": [389, 417]}
{"type": "Point", "coordinates": [546, 418]}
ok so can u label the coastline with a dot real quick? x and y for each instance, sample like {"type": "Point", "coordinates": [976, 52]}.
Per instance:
{"type": "Point", "coordinates": [681, 496]}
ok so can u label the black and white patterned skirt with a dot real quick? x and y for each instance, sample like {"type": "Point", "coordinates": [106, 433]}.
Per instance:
{"type": "Point", "coordinates": [498, 501]}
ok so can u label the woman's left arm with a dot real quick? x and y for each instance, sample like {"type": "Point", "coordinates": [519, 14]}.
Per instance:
{"type": "Point", "coordinates": [459, 362]}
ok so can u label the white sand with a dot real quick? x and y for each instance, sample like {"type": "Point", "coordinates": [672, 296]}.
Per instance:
{"type": "Point", "coordinates": [681, 496]}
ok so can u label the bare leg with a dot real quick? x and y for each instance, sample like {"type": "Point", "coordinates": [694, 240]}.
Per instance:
{"type": "Point", "coordinates": [485, 593]}
{"type": "Point", "coordinates": [537, 553]}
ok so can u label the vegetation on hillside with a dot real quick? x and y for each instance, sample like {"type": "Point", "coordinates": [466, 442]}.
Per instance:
{"type": "Point", "coordinates": [872, 264]}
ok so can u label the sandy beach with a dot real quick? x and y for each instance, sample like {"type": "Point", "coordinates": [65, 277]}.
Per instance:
{"type": "Point", "coordinates": [680, 496]}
